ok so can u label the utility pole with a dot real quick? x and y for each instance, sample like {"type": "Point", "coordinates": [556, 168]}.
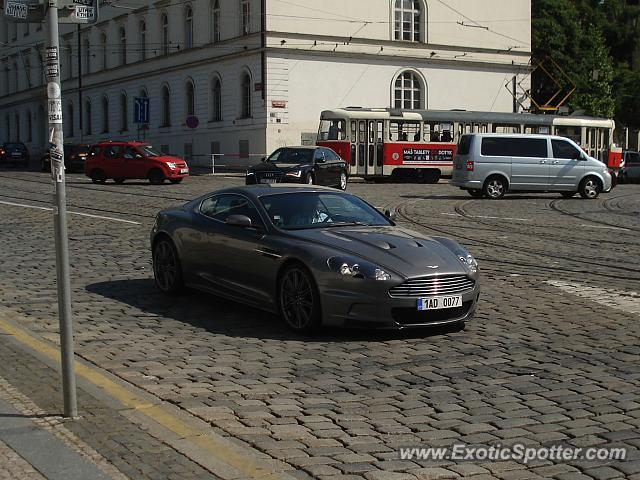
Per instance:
{"type": "Point", "coordinates": [80, 87]}
{"type": "Point", "coordinates": [56, 138]}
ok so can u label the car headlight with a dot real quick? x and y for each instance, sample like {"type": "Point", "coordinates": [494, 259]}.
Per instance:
{"type": "Point", "coordinates": [352, 267]}
{"type": "Point", "coordinates": [297, 174]}
{"type": "Point", "coordinates": [469, 262]}
{"type": "Point", "coordinates": [172, 165]}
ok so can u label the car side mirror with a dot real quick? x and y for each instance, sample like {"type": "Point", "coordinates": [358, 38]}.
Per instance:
{"type": "Point", "coordinates": [319, 160]}
{"type": "Point", "coordinates": [391, 215]}
{"type": "Point", "coordinates": [238, 221]}
{"type": "Point", "coordinates": [263, 159]}
{"type": "Point", "coordinates": [138, 156]}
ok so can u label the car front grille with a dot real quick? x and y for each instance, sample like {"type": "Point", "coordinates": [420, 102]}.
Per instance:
{"type": "Point", "coordinates": [429, 286]}
{"type": "Point", "coordinates": [274, 176]}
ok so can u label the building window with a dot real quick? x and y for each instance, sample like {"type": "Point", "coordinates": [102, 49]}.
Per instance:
{"type": "Point", "coordinates": [105, 114]}
{"type": "Point", "coordinates": [216, 100]}
{"type": "Point", "coordinates": [166, 107]}
{"type": "Point", "coordinates": [123, 46]}
{"type": "Point", "coordinates": [15, 77]}
{"type": "Point", "coordinates": [407, 20]}
{"type": "Point", "coordinates": [165, 34]}
{"type": "Point", "coordinates": [29, 127]}
{"type": "Point", "coordinates": [69, 121]}
{"type": "Point", "coordinates": [245, 17]}
{"type": "Point", "coordinates": [143, 40]}
{"type": "Point", "coordinates": [87, 56]}
{"type": "Point", "coordinates": [69, 62]}
{"type": "Point", "coordinates": [407, 92]}
{"type": "Point", "coordinates": [7, 125]}
{"type": "Point", "coordinates": [18, 133]}
{"type": "Point", "coordinates": [26, 29]}
{"type": "Point", "coordinates": [190, 99]}
{"type": "Point", "coordinates": [27, 70]}
{"type": "Point", "coordinates": [103, 51]}
{"type": "Point", "coordinates": [188, 27]}
{"type": "Point", "coordinates": [87, 118]}
{"type": "Point", "coordinates": [215, 21]}
{"type": "Point", "coordinates": [124, 113]}
{"type": "Point", "coordinates": [245, 95]}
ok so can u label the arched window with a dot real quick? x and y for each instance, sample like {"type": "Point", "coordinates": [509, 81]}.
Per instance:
{"type": "Point", "coordinates": [245, 95]}
{"type": "Point", "coordinates": [245, 17]}
{"type": "Point", "coordinates": [123, 46]}
{"type": "Point", "coordinates": [164, 21]}
{"type": "Point", "coordinates": [124, 113]}
{"type": "Point", "coordinates": [103, 50]}
{"type": "Point", "coordinates": [87, 118]}
{"type": "Point", "coordinates": [408, 91]}
{"type": "Point", "coordinates": [87, 56]}
{"type": "Point", "coordinates": [69, 122]}
{"type": "Point", "coordinates": [408, 20]}
{"type": "Point", "coordinates": [188, 27]}
{"type": "Point", "coordinates": [216, 100]}
{"type": "Point", "coordinates": [190, 98]}
{"type": "Point", "coordinates": [105, 114]}
{"type": "Point", "coordinates": [166, 107]}
{"type": "Point", "coordinates": [143, 40]}
{"type": "Point", "coordinates": [215, 21]}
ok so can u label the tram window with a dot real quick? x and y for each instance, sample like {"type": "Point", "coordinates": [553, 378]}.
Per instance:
{"type": "Point", "coordinates": [403, 131]}
{"type": "Point", "coordinates": [333, 130]}
{"type": "Point", "coordinates": [379, 137]}
{"type": "Point", "coordinates": [574, 133]}
{"type": "Point", "coordinates": [496, 128]}
{"type": "Point", "coordinates": [354, 131]}
{"type": "Point", "coordinates": [372, 132]}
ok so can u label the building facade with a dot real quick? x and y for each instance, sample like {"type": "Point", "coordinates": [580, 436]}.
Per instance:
{"type": "Point", "coordinates": [242, 77]}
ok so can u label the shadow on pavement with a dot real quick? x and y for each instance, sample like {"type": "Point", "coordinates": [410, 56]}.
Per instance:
{"type": "Point", "coordinates": [221, 316]}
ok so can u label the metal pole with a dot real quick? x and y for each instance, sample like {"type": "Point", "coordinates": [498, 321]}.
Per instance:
{"type": "Point", "coordinates": [80, 85]}
{"type": "Point", "coordinates": [56, 136]}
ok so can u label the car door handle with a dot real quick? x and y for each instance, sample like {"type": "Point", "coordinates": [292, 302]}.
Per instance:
{"type": "Point", "coordinates": [543, 161]}
{"type": "Point", "coordinates": [555, 162]}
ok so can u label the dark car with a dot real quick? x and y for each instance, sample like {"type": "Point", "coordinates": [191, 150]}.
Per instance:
{"type": "Point", "coordinates": [74, 158]}
{"type": "Point", "coordinates": [308, 165]}
{"type": "Point", "coordinates": [12, 153]}
{"type": "Point", "coordinates": [630, 167]}
{"type": "Point", "coordinates": [316, 256]}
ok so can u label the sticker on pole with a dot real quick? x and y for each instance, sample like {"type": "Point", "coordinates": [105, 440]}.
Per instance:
{"type": "Point", "coordinates": [55, 110]}
{"type": "Point", "coordinates": [16, 10]}
{"type": "Point", "coordinates": [51, 54]}
{"type": "Point", "coordinates": [51, 71]}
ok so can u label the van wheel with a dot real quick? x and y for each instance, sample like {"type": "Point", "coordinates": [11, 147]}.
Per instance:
{"type": "Point", "coordinates": [156, 177]}
{"type": "Point", "coordinates": [495, 187]}
{"type": "Point", "coordinates": [589, 188]}
{"type": "Point", "coordinates": [476, 193]}
{"type": "Point", "coordinates": [98, 176]}
{"type": "Point", "coordinates": [567, 194]}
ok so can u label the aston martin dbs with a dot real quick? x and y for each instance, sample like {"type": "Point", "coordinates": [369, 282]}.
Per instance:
{"type": "Point", "coordinates": [314, 255]}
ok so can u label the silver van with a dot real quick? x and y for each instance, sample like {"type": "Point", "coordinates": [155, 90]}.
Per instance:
{"type": "Point", "coordinates": [490, 164]}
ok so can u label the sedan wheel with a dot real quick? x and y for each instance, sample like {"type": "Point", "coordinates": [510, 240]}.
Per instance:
{"type": "Point", "coordinates": [98, 176]}
{"type": "Point", "coordinates": [343, 181]}
{"type": "Point", "coordinates": [589, 188]}
{"type": "Point", "coordinates": [308, 179]}
{"type": "Point", "coordinates": [167, 271]}
{"type": "Point", "coordinates": [298, 299]}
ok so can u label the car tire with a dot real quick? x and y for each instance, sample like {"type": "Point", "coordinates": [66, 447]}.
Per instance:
{"type": "Point", "coordinates": [167, 270]}
{"type": "Point", "coordinates": [343, 181]}
{"type": "Point", "coordinates": [156, 177]}
{"type": "Point", "coordinates": [567, 194]}
{"type": "Point", "coordinates": [298, 298]}
{"type": "Point", "coordinates": [431, 176]}
{"type": "Point", "coordinates": [495, 187]}
{"type": "Point", "coordinates": [119, 181]}
{"type": "Point", "coordinates": [476, 193]}
{"type": "Point", "coordinates": [308, 179]}
{"type": "Point", "coordinates": [589, 188]}
{"type": "Point", "coordinates": [175, 181]}
{"type": "Point", "coordinates": [98, 176]}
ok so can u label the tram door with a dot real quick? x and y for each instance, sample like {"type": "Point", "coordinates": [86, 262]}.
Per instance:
{"type": "Point", "coordinates": [375, 159]}
{"type": "Point", "coordinates": [362, 148]}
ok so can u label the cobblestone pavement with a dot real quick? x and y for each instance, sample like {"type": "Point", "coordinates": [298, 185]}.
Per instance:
{"type": "Point", "coordinates": [547, 359]}
{"type": "Point", "coordinates": [14, 466]}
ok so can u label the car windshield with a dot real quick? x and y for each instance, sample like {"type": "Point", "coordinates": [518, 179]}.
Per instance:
{"type": "Point", "coordinates": [298, 211]}
{"type": "Point", "coordinates": [293, 156]}
{"type": "Point", "coordinates": [14, 146]}
{"type": "Point", "coordinates": [149, 151]}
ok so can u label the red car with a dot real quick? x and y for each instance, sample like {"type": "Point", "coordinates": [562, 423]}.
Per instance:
{"type": "Point", "coordinates": [132, 160]}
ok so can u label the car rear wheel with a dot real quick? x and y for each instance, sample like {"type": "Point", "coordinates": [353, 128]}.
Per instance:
{"type": "Point", "coordinates": [98, 176]}
{"type": "Point", "coordinates": [476, 193]}
{"type": "Point", "coordinates": [167, 271]}
{"type": "Point", "coordinates": [156, 177]}
{"type": "Point", "coordinates": [495, 187]}
{"type": "Point", "coordinates": [589, 188]}
{"type": "Point", "coordinates": [298, 299]}
{"type": "Point", "coordinates": [175, 181]}
{"type": "Point", "coordinates": [343, 181]}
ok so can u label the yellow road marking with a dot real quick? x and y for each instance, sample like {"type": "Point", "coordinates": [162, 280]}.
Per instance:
{"type": "Point", "coordinates": [220, 450]}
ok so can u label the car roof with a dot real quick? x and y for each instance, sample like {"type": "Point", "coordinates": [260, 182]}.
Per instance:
{"type": "Point", "coordinates": [300, 147]}
{"type": "Point", "coordinates": [121, 142]}
{"type": "Point", "coordinates": [262, 190]}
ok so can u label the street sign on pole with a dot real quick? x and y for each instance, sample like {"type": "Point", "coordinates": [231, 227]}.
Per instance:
{"type": "Point", "coordinates": [24, 11]}
{"type": "Point", "coordinates": [141, 110]}
{"type": "Point", "coordinates": [78, 11]}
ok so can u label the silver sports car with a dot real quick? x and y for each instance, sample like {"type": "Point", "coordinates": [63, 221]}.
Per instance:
{"type": "Point", "coordinates": [314, 255]}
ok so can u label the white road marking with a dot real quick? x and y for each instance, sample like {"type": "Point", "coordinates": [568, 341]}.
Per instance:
{"type": "Point", "coordinates": [625, 300]}
{"type": "Point", "coordinates": [602, 226]}
{"type": "Point", "coordinates": [48, 209]}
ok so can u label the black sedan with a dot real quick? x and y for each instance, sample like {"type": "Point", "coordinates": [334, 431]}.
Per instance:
{"type": "Point", "coordinates": [74, 158]}
{"type": "Point", "coordinates": [314, 255]}
{"type": "Point", "coordinates": [14, 153]}
{"type": "Point", "coordinates": [308, 165]}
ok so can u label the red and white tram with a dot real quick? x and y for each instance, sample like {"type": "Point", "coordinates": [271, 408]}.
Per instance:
{"type": "Point", "coordinates": [421, 144]}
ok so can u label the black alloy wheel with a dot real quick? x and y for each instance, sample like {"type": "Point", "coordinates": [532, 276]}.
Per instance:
{"type": "Point", "coordinates": [167, 271]}
{"type": "Point", "coordinates": [98, 176]}
{"type": "Point", "coordinates": [298, 299]}
{"type": "Point", "coordinates": [308, 179]}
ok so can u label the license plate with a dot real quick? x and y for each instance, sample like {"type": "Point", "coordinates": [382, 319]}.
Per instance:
{"type": "Point", "coordinates": [16, 154]}
{"type": "Point", "coordinates": [268, 180]}
{"type": "Point", "coordinates": [184, 170]}
{"type": "Point", "coordinates": [438, 303]}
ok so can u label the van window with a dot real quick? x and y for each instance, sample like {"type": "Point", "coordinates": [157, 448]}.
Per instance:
{"type": "Point", "coordinates": [632, 157]}
{"type": "Point", "coordinates": [464, 147]}
{"type": "Point", "coordinates": [563, 149]}
{"type": "Point", "coordinates": [514, 147]}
